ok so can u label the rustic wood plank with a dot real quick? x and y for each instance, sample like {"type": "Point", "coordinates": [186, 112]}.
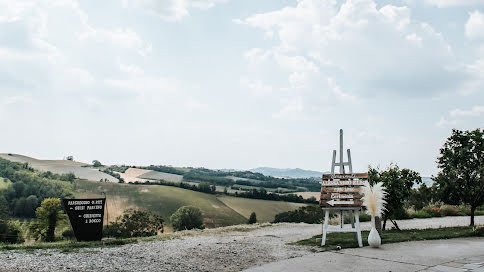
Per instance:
{"type": "Point", "coordinates": [339, 196]}
{"type": "Point", "coordinates": [336, 204]}
{"type": "Point", "coordinates": [346, 176]}
{"type": "Point", "coordinates": [341, 183]}
{"type": "Point", "coordinates": [325, 189]}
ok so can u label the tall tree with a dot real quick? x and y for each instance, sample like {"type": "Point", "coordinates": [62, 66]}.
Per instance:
{"type": "Point", "coordinates": [398, 183]}
{"type": "Point", "coordinates": [48, 215]}
{"type": "Point", "coordinates": [461, 163]}
{"type": "Point", "coordinates": [253, 218]}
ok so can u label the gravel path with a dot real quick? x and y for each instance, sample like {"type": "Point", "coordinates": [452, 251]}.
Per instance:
{"type": "Point", "coordinates": [225, 249]}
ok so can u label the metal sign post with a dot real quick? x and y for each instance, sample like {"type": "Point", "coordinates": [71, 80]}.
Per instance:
{"type": "Point", "coordinates": [341, 193]}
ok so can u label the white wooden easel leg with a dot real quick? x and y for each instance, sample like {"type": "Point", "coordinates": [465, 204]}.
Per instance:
{"type": "Point", "coordinates": [325, 227]}
{"type": "Point", "coordinates": [353, 221]}
{"type": "Point", "coordinates": [341, 218]}
{"type": "Point", "coordinates": [358, 231]}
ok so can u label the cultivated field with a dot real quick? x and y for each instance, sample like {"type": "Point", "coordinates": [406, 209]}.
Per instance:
{"type": "Point", "coordinates": [307, 195]}
{"type": "Point", "coordinates": [163, 200]}
{"type": "Point", "coordinates": [79, 169]}
{"type": "Point", "coordinates": [132, 175]}
{"type": "Point", "coordinates": [265, 210]}
{"type": "Point", "coordinates": [155, 175]}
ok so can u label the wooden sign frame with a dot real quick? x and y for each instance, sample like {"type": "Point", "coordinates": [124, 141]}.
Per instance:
{"type": "Point", "coordinates": [341, 193]}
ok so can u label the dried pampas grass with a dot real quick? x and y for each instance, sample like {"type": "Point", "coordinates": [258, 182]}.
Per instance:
{"type": "Point", "coordinates": [374, 198]}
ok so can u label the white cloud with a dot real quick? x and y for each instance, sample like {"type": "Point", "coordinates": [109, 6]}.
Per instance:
{"type": "Point", "coordinates": [255, 86]}
{"type": "Point", "coordinates": [143, 84]}
{"type": "Point", "coordinates": [170, 10]}
{"type": "Point", "coordinates": [195, 105]}
{"type": "Point", "coordinates": [137, 81]}
{"type": "Point", "coordinates": [381, 50]}
{"type": "Point", "coordinates": [18, 99]}
{"type": "Point", "coordinates": [292, 109]}
{"type": "Point", "coordinates": [473, 112]}
{"type": "Point", "coordinates": [475, 25]}
{"type": "Point", "coordinates": [458, 116]}
{"type": "Point", "coordinates": [119, 37]}
{"type": "Point", "coordinates": [452, 3]}
{"type": "Point", "coordinates": [443, 122]}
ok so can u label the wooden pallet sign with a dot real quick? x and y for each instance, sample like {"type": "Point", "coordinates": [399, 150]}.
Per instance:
{"type": "Point", "coordinates": [342, 190]}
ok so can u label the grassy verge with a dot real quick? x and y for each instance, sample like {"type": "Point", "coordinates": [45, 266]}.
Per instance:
{"type": "Point", "coordinates": [347, 240]}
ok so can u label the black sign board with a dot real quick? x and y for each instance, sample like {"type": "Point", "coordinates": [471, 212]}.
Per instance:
{"type": "Point", "coordinates": [86, 216]}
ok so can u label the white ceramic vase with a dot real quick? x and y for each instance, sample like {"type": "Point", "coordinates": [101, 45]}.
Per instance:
{"type": "Point", "coordinates": [374, 239]}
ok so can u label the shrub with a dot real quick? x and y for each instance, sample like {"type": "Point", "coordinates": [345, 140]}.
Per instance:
{"type": "Point", "coordinates": [187, 217]}
{"type": "Point", "coordinates": [10, 232]}
{"type": "Point", "coordinates": [134, 223]}
{"type": "Point", "coordinates": [68, 234]}
{"type": "Point", "coordinates": [307, 214]}
{"type": "Point", "coordinates": [450, 210]}
{"type": "Point", "coordinates": [433, 211]}
{"type": "Point", "coordinates": [480, 231]}
{"type": "Point", "coordinates": [421, 214]}
{"type": "Point", "coordinates": [364, 217]}
{"type": "Point", "coordinates": [253, 218]}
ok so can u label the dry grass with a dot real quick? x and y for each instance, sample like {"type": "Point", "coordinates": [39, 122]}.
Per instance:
{"type": "Point", "coordinates": [162, 176]}
{"type": "Point", "coordinates": [265, 210]}
{"type": "Point", "coordinates": [307, 195]}
{"type": "Point", "coordinates": [132, 175]}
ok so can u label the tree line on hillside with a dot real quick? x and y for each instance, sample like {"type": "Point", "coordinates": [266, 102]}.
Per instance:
{"type": "Point", "coordinates": [219, 177]}
{"type": "Point", "coordinates": [30, 188]}
{"type": "Point", "coordinates": [260, 193]}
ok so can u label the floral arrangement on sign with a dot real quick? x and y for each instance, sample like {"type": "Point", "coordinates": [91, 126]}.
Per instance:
{"type": "Point", "coordinates": [374, 201]}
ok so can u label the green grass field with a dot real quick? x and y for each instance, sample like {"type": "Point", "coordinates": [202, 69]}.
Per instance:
{"type": "Point", "coordinates": [347, 240]}
{"type": "Point", "coordinates": [265, 210]}
{"type": "Point", "coordinates": [163, 200]}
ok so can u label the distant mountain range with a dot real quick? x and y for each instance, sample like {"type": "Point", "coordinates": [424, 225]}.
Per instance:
{"type": "Point", "coordinates": [288, 172]}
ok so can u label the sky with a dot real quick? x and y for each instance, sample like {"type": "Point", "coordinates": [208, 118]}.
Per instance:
{"type": "Point", "coordinates": [240, 84]}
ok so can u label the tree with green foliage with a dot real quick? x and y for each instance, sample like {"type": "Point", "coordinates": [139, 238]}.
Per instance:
{"type": "Point", "coordinates": [308, 214]}
{"type": "Point", "coordinates": [461, 163]}
{"type": "Point", "coordinates": [135, 223]}
{"type": "Point", "coordinates": [253, 218]}
{"type": "Point", "coordinates": [398, 183]}
{"type": "Point", "coordinates": [48, 216]}
{"type": "Point", "coordinates": [422, 196]}
{"type": "Point", "coordinates": [96, 163]}
{"type": "Point", "coordinates": [29, 187]}
{"type": "Point", "coordinates": [187, 217]}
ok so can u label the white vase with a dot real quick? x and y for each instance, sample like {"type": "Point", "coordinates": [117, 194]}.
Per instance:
{"type": "Point", "coordinates": [374, 239]}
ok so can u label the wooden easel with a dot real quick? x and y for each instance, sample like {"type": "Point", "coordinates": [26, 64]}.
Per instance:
{"type": "Point", "coordinates": [354, 210]}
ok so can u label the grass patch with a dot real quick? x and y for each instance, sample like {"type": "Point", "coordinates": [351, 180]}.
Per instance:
{"type": "Point", "coordinates": [347, 240]}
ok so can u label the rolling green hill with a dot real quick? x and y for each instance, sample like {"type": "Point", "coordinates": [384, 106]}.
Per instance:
{"type": "Point", "coordinates": [163, 200]}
